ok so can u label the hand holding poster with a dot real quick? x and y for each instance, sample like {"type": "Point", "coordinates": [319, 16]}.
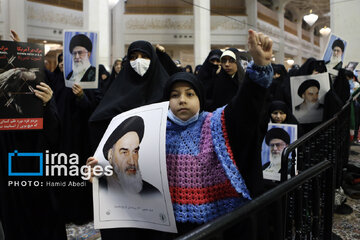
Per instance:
{"type": "Point", "coordinates": [137, 193]}
{"type": "Point", "coordinates": [21, 70]}
{"type": "Point", "coordinates": [80, 59]}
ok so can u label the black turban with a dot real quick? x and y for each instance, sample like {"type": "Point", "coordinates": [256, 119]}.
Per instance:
{"type": "Point", "coordinates": [132, 124]}
{"type": "Point", "coordinates": [277, 133]}
{"type": "Point", "coordinates": [306, 84]}
{"type": "Point", "coordinates": [80, 40]}
{"type": "Point", "coordinates": [338, 43]}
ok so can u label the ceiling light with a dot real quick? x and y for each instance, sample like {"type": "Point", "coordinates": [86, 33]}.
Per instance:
{"type": "Point", "coordinates": [290, 62]}
{"type": "Point", "coordinates": [325, 31]}
{"type": "Point", "coordinates": [112, 3]}
{"type": "Point", "coordinates": [311, 18]}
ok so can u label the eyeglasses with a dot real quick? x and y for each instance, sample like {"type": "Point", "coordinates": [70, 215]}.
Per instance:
{"type": "Point", "coordinates": [231, 60]}
{"type": "Point", "coordinates": [277, 145]}
{"type": "Point", "coordinates": [80, 53]}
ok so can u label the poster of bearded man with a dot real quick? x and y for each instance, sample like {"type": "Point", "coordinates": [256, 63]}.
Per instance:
{"type": "Point", "coordinates": [81, 59]}
{"type": "Point", "coordinates": [136, 194]}
{"type": "Point", "coordinates": [277, 138]}
{"type": "Point", "coordinates": [307, 96]}
{"type": "Point", "coordinates": [334, 54]}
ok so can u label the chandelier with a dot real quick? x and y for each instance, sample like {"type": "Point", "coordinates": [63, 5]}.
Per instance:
{"type": "Point", "coordinates": [325, 31]}
{"type": "Point", "coordinates": [311, 18]}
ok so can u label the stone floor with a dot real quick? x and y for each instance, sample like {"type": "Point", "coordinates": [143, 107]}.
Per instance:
{"type": "Point", "coordinates": [345, 226]}
{"type": "Point", "coordinates": [82, 232]}
{"type": "Point", "coordinates": [348, 226]}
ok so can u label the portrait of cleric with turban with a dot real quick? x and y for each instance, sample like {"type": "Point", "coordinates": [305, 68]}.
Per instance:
{"type": "Point", "coordinates": [81, 51]}
{"type": "Point", "coordinates": [334, 54]}
{"type": "Point", "coordinates": [277, 139]}
{"type": "Point", "coordinates": [310, 109]}
{"type": "Point", "coordinates": [121, 149]}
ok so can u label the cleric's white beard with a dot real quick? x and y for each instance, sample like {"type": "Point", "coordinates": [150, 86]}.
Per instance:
{"type": "Point", "coordinates": [312, 105]}
{"type": "Point", "coordinates": [79, 69]}
{"type": "Point", "coordinates": [335, 59]}
{"type": "Point", "coordinates": [130, 183]}
{"type": "Point", "coordinates": [275, 163]}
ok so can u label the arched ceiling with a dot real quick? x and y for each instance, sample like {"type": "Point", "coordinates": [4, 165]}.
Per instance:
{"type": "Point", "coordinates": [303, 7]}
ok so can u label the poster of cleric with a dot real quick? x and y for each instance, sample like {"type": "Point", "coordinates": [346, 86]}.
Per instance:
{"type": "Point", "coordinates": [334, 54]}
{"type": "Point", "coordinates": [21, 70]}
{"type": "Point", "coordinates": [136, 192]}
{"type": "Point", "coordinates": [277, 138]}
{"type": "Point", "coordinates": [80, 59]}
{"type": "Point", "coordinates": [307, 96]}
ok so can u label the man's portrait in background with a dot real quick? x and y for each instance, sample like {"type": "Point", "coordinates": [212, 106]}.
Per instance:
{"type": "Point", "coordinates": [122, 151]}
{"type": "Point", "coordinates": [277, 138]}
{"type": "Point", "coordinates": [307, 94]}
{"type": "Point", "coordinates": [334, 54]}
{"type": "Point", "coordinates": [80, 54]}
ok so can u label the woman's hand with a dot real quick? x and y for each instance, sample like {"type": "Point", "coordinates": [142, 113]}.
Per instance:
{"type": "Point", "coordinates": [77, 90]}
{"type": "Point", "coordinates": [43, 92]}
{"type": "Point", "coordinates": [260, 48]}
{"type": "Point", "coordinates": [91, 161]}
{"type": "Point", "coordinates": [14, 36]}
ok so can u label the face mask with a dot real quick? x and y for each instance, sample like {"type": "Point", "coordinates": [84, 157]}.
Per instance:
{"type": "Point", "coordinates": [140, 65]}
{"type": "Point", "coordinates": [180, 122]}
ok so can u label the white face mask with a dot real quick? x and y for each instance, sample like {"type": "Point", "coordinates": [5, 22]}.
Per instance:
{"type": "Point", "coordinates": [140, 65]}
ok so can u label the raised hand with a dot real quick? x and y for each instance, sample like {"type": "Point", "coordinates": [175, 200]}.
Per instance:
{"type": "Point", "coordinates": [260, 48]}
{"type": "Point", "coordinates": [14, 36]}
{"type": "Point", "coordinates": [160, 48]}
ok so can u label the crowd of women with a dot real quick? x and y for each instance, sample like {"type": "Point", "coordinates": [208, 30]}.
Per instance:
{"type": "Point", "coordinates": [229, 99]}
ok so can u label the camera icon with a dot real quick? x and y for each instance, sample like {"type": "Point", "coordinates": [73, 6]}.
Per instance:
{"type": "Point", "coordinates": [25, 164]}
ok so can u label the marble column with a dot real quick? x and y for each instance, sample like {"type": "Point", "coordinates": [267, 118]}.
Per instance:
{"type": "Point", "coordinates": [298, 57]}
{"type": "Point", "coordinates": [97, 18]}
{"type": "Point", "coordinates": [344, 18]}
{"type": "Point", "coordinates": [280, 55]}
{"type": "Point", "coordinates": [14, 15]}
{"type": "Point", "coordinates": [118, 29]}
{"type": "Point", "coordinates": [251, 11]}
{"type": "Point", "coordinates": [202, 31]}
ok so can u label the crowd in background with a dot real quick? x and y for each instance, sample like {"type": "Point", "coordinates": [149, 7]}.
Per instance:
{"type": "Point", "coordinates": [83, 115]}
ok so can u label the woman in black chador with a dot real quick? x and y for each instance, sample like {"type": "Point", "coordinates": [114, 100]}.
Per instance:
{"type": "Point", "coordinates": [140, 82]}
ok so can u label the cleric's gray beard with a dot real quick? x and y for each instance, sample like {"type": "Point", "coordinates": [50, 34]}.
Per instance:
{"type": "Point", "coordinates": [130, 183]}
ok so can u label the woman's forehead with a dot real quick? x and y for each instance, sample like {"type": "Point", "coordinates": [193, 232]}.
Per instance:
{"type": "Point", "coordinates": [181, 84]}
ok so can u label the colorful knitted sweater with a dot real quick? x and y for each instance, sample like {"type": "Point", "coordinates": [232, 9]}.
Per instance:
{"type": "Point", "coordinates": [203, 178]}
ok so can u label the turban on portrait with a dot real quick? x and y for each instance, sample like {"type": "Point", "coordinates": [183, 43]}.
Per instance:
{"type": "Point", "coordinates": [132, 124]}
{"type": "Point", "coordinates": [80, 40]}
{"type": "Point", "coordinates": [277, 133]}
{"type": "Point", "coordinates": [338, 43]}
{"type": "Point", "coordinates": [306, 84]}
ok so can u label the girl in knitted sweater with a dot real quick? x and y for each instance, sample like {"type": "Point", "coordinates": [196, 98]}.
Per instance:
{"type": "Point", "coordinates": [212, 158]}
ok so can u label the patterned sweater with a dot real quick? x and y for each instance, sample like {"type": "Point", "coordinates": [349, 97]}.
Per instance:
{"type": "Point", "coordinates": [203, 178]}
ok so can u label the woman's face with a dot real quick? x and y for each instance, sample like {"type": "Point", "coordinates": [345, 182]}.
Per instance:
{"type": "Point", "coordinates": [137, 54]}
{"type": "Point", "coordinates": [117, 66]}
{"type": "Point", "coordinates": [184, 102]}
{"type": "Point", "coordinates": [278, 116]}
